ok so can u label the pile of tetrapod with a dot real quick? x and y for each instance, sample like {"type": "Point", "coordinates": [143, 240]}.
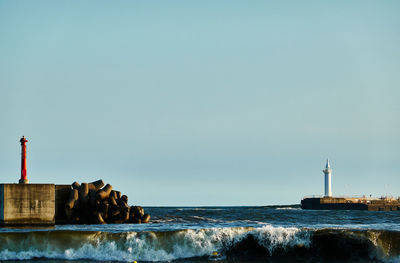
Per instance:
{"type": "Point", "coordinates": [91, 203]}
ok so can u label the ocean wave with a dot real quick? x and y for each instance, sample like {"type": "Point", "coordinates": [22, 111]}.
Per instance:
{"type": "Point", "coordinates": [228, 243]}
{"type": "Point", "coordinates": [199, 209]}
{"type": "Point", "coordinates": [288, 208]}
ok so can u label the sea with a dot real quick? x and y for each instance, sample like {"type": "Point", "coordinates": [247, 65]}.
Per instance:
{"type": "Point", "coordinates": [215, 234]}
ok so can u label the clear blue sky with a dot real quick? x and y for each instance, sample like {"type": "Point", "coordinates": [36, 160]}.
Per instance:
{"type": "Point", "coordinates": [203, 102]}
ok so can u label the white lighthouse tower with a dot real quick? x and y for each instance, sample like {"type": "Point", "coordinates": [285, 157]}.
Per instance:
{"type": "Point", "coordinates": [328, 171]}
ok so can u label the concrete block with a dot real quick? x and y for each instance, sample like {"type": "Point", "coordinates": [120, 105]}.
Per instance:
{"type": "Point", "coordinates": [27, 204]}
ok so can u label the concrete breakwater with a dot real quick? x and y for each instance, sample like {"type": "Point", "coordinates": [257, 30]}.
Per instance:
{"type": "Point", "coordinates": [27, 204]}
{"type": "Point", "coordinates": [49, 204]}
{"type": "Point", "coordinates": [94, 203]}
{"type": "Point", "coordinates": [351, 203]}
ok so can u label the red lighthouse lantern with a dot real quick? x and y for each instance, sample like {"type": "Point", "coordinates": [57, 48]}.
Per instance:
{"type": "Point", "coordinates": [24, 178]}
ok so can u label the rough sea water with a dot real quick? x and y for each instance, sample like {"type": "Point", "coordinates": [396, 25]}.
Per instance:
{"type": "Point", "coordinates": [216, 234]}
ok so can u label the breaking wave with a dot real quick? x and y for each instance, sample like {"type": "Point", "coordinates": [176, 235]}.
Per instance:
{"type": "Point", "coordinates": [239, 243]}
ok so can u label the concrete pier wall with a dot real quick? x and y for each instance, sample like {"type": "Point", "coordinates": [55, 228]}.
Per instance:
{"type": "Point", "coordinates": [62, 192]}
{"type": "Point", "coordinates": [27, 204]}
{"type": "Point", "coordinates": [349, 203]}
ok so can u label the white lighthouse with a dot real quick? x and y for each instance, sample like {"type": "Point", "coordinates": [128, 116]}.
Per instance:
{"type": "Point", "coordinates": [328, 171]}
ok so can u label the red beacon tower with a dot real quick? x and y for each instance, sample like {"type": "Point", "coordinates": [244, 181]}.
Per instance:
{"type": "Point", "coordinates": [24, 178]}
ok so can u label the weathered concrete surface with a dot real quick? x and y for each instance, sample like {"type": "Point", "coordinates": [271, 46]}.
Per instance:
{"type": "Point", "coordinates": [27, 204]}
{"type": "Point", "coordinates": [61, 194]}
{"type": "Point", "coordinates": [351, 203]}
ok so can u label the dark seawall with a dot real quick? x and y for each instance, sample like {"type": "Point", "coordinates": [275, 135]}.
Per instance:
{"type": "Point", "coordinates": [350, 203]}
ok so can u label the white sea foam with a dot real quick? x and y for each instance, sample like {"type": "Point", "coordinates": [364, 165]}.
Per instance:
{"type": "Point", "coordinates": [272, 237]}
{"type": "Point", "coordinates": [156, 246]}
